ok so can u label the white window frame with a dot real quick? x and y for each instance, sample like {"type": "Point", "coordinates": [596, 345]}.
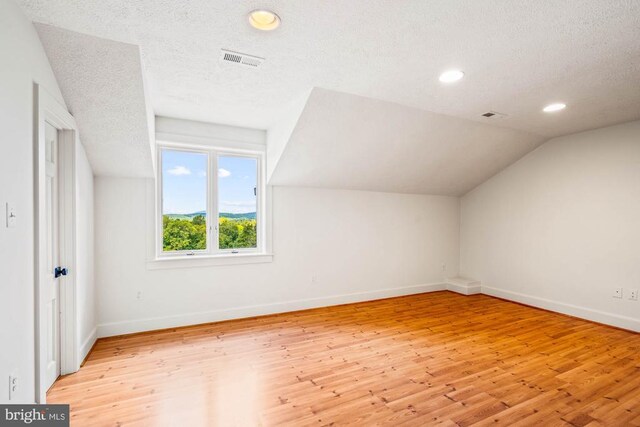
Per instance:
{"type": "Point", "coordinates": [213, 250]}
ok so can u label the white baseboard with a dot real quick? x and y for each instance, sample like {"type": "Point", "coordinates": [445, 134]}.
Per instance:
{"type": "Point", "coordinates": [141, 325]}
{"type": "Point", "coordinates": [464, 289]}
{"type": "Point", "coordinates": [572, 310]}
{"type": "Point", "coordinates": [149, 324]}
{"type": "Point", "coordinates": [463, 285]}
{"type": "Point", "coordinates": [87, 344]}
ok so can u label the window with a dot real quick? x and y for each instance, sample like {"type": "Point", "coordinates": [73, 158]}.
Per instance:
{"type": "Point", "coordinates": [205, 213]}
{"type": "Point", "coordinates": [237, 202]}
{"type": "Point", "coordinates": [184, 201]}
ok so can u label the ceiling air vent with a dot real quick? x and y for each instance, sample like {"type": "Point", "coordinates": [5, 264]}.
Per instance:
{"type": "Point", "coordinates": [241, 58]}
{"type": "Point", "coordinates": [494, 115]}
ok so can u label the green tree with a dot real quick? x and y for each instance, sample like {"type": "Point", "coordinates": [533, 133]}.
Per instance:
{"type": "Point", "coordinates": [237, 233]}
{"type": "Point", "coordinates": [199, 220]}
{"type": "Point", "coordinates": [191, 235]}
{"type": "Point", "coordinates": [182, 234]}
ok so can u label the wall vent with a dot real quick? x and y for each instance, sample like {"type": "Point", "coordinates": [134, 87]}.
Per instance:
{"type": "Point", "coordinates": [240, 58]}
{"type": "Point", "coordinates": [494, 115]}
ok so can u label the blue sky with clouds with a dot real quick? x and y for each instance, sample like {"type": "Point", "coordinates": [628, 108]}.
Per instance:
{"type": "Point", "coordinates": [184, 182]}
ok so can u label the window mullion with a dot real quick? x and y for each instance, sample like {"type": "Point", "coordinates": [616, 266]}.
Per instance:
{"type": "Point", "coordinates": [159, 204]}
{"type": "Point", "coordinates": [213, 195]}
{"type": "Point", "coordinates": [208, 214]}
{"type": "Point", "coordinates": [259, 207]}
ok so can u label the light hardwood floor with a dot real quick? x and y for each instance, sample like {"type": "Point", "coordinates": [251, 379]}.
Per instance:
{"type": "Point", "coordinates": [437, 358]}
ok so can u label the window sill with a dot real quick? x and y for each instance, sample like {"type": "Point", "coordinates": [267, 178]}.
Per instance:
{"type": "Point", "coordinates": [189, 261]}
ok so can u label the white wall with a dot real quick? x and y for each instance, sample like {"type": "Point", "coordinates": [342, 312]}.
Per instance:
{"type": "Point", "coordinates": [330, 246]}
{"type": "Point", "coordinates": [280, 132]}
{"type": "Point", "coordinates": [560, 228]}
{"type": "Point", "coordinates": [85, 297]}
{"type": "Point", "coordinates": [23, 63]}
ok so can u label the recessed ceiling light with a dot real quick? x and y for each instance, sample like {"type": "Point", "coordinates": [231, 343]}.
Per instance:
{"type": "Point", "coordinates": [554, 107]}
{"type": "Point", "coordinates": [264, 20]}
{"type": "Point", "coordinates": [451, 76]}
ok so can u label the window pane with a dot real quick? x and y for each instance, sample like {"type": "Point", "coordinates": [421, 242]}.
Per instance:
{"type": "Point", "coordinates": [237, 182]}
{"type": "Point", "coordinates": [184, 200]}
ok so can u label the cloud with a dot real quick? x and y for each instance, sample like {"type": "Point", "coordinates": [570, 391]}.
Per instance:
{"type": "Point", "coordinates": [238, 206]}
{"type": "Point", "coordinates": [179, 170]}
{"type": "Point", "coordinates": [240, 203]}
{"type": "Point", "coordinates": [223, 173]}
{"type": "Point", "coordinates": [202, 174]}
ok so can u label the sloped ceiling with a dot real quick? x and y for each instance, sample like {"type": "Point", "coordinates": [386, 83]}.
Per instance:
{"type": "Point", "coordinates": [518, 55]}
{"type": "Point", "coordinates": [102, 83]}
{"type": "Point", "coordinates": [352, 142]}
{"type": "Point", "coordinates": [384, 121]}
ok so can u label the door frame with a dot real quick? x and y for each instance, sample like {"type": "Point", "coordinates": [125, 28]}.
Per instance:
{"type": "Point", "coordinates": [49, 110]}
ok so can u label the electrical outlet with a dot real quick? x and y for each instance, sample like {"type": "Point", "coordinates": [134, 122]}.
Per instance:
{"type": "Point", "coordinates": [633, 294]}
{"type": "Point", "coordinates": [13, 386]}
{"type": "Point", "coordinates": [617, 293]}
{"type": "Point", "coordinates": [139, 295]}
{"type": "Point", "coordinates": [444, 266]}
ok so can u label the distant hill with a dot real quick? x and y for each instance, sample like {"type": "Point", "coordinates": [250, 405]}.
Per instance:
{"type": "Point", "coordinates": [186, 216]}
{"type": "Point", "coordinates": [190, 216]}
{"type": "Point", "coordinates": [248, 215]}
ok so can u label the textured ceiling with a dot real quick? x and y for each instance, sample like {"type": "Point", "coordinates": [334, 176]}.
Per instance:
{"type": "Point", "coordinates": [518, 55]}
{"type": "Point", "coordinates": [383, 146]}
{"type": "Point", "coordinates": [103, 86]}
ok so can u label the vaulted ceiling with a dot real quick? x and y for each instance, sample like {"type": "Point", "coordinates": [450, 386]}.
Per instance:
{"type": "Point", "coordinates": [102, 82]}
{"type": "Point", "coordinates": [517, 55]}
{"type": "Point", "coordinates": [379, 61]}
{"type": "Point", "coordinates": [352, 142]}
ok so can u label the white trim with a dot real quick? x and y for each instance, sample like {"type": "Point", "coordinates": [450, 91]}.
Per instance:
{"type": "Point", "coordinates": [141, 325]}
{"type": "Point", "coordinates": [569, 309]}
{"type": "Point", "coordinates": [180, 128]}
{"type": "Point", "coordinates": [69, 362]}
{"type": "Point", "coordinates": [213, 229]}
{"type": "Point", "coordinates": [213, 154]}
{"type": "Point", "coordinates": [464, 289]}
{"type": "Point", "coordinates": [173, 139]}
{"type": "Point", "coordinates": [463, 285]}
{"type": "Point", "coordinates": [190, 261]}
{"type": "Point", "coordinates": [88, 343]}
{"type": "Point", "coordinates": [48, 110]}
{"type": "Point", "coordinates": [159, 202]}
{"type": "Point", "coordinates": [150, 324]}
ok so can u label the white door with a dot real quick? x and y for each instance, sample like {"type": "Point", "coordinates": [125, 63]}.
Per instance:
{"type": "Point", "coordinates": [51, 287]}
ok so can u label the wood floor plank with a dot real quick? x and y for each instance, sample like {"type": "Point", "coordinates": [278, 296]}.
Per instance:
{"type": "Point", "coordinates": [428, 359]}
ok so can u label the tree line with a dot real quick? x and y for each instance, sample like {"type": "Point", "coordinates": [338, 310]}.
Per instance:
{"type": "Point", "coordinates": [184, 234]}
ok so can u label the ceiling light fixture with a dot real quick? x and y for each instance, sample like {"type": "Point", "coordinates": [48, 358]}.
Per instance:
{"type": "Point", "coordinates": [451, 76]}
{"type": "Point", "coordinates": [551, 108]}
{"type": "Point", "coordinates": [264, 20]}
